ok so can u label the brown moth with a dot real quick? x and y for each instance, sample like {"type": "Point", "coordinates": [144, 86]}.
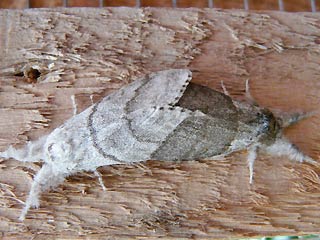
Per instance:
{"type": "Point", "coordinates": [161, 117]}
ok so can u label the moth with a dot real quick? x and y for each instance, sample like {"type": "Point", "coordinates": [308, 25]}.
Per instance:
{"type": "Point", "coordinates": [160, 117]}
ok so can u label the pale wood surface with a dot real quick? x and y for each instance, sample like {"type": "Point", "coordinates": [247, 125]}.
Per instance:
{"type": "Point", "coordinates": [288, 5]}
{"type": "Point", "coordinates": [91, 52]}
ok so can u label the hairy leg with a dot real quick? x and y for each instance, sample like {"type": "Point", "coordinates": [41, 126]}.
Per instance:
{"type": "Point", "coordinates": [252, 155]}
{"type": "Point", "coordinates": [282, 147]}
{"type": "Point", "coordinates": [45, 179]}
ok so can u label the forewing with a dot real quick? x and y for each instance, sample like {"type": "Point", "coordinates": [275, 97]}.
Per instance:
{"type": "Point", "coordinates": [161, 89]}
{"type": "Point", "coordinates": [135, 136]}
{"type": "Point", "coordinates": [132, 122]}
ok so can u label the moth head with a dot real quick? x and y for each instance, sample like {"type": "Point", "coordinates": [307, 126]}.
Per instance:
{"type": "Point", "coordinates": [271, 128]}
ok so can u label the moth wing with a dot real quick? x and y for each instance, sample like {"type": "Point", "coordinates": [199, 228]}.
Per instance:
{"type": "Point", "coordinates": [161, 89]}
{"type": "Point", "coordinates": [155, 124]}
{"type": "Point", "coordinates": [135, 137]}
{"type": "Point", "coordinates": [130, 123]}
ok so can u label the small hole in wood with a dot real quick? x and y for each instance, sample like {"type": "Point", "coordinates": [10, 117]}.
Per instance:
{"type": "Point", "coordinates": [32, 75]}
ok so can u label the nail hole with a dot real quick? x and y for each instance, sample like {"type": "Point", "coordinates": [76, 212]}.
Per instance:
{"type": "Point", "coordinates": [32, 75]}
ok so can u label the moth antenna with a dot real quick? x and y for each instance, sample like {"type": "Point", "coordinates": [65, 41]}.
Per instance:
{"type": "Point", "coordinates": [291, 119]}
{"type": "Point", "coordinates": [74, 104]}
{"type": "Point", "coordinates": [252, 155]}
{"type": "Point", "coordinates": [46, 178]}
{"type": "Point", "coordinates": [248, 95]}
{"type": "Point", "coordinates": [32, 152]}
{"type": "Point", "coordinates": [99, 176]}
{"type": "Point", "coordinates": [282, 147]}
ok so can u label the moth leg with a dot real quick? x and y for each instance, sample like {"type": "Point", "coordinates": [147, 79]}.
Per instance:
{"type": "Point", "coordinates": [282, 147]}
{"type": "Point", "coordinates": [74, 104]}
{"type": "Point", "coordinates": [99, 176]}
{"type": "Point", "coordinates": [252, 155]}
{"type": "Point", "coordinates": [32, 152]}
{"type": "Point", "coordinates": [91, 99]}
{"type": "Point", "coordinates": [46, 178]}
{"type": "Point", "coordinates": [225, 91]}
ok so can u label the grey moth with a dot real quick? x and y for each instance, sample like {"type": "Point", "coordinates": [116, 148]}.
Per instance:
{"type": "Point", "coordinates": [160, 117]}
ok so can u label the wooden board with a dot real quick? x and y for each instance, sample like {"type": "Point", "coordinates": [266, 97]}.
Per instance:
{"type": "Point", "coordinates": [91, 52]}
{"type": "Point", "coordinates": [286, 5]}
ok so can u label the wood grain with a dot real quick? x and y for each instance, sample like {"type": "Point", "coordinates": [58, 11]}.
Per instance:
{"type": "Point", "coordinates": [151, 3]}
{"type": "Point", "coordinates": [186, 4]}
{"type": "Point", "coordinates": [45, 3]}
{"type": "Point", "coordinates": [118, 3]}
{"type": "Point", "coordinates": [289, 5]}
{"type": "Point", "coordinates": [93, 52]}
{"type": "Point", "coordinates": [15, 4]}
{"type": "Point", "coordinates": [83, 3]}
{"type": "Point", "coordinates": [265, 5]}
{"type": "Point", "coordinates": [297, 5]}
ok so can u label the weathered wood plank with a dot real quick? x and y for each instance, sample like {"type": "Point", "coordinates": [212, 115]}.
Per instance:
{"type": "Point", "coordinates": [91, 52]}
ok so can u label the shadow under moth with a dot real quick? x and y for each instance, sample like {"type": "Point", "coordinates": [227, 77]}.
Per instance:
{"type": "Point", "coordinates": [160, 117]}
